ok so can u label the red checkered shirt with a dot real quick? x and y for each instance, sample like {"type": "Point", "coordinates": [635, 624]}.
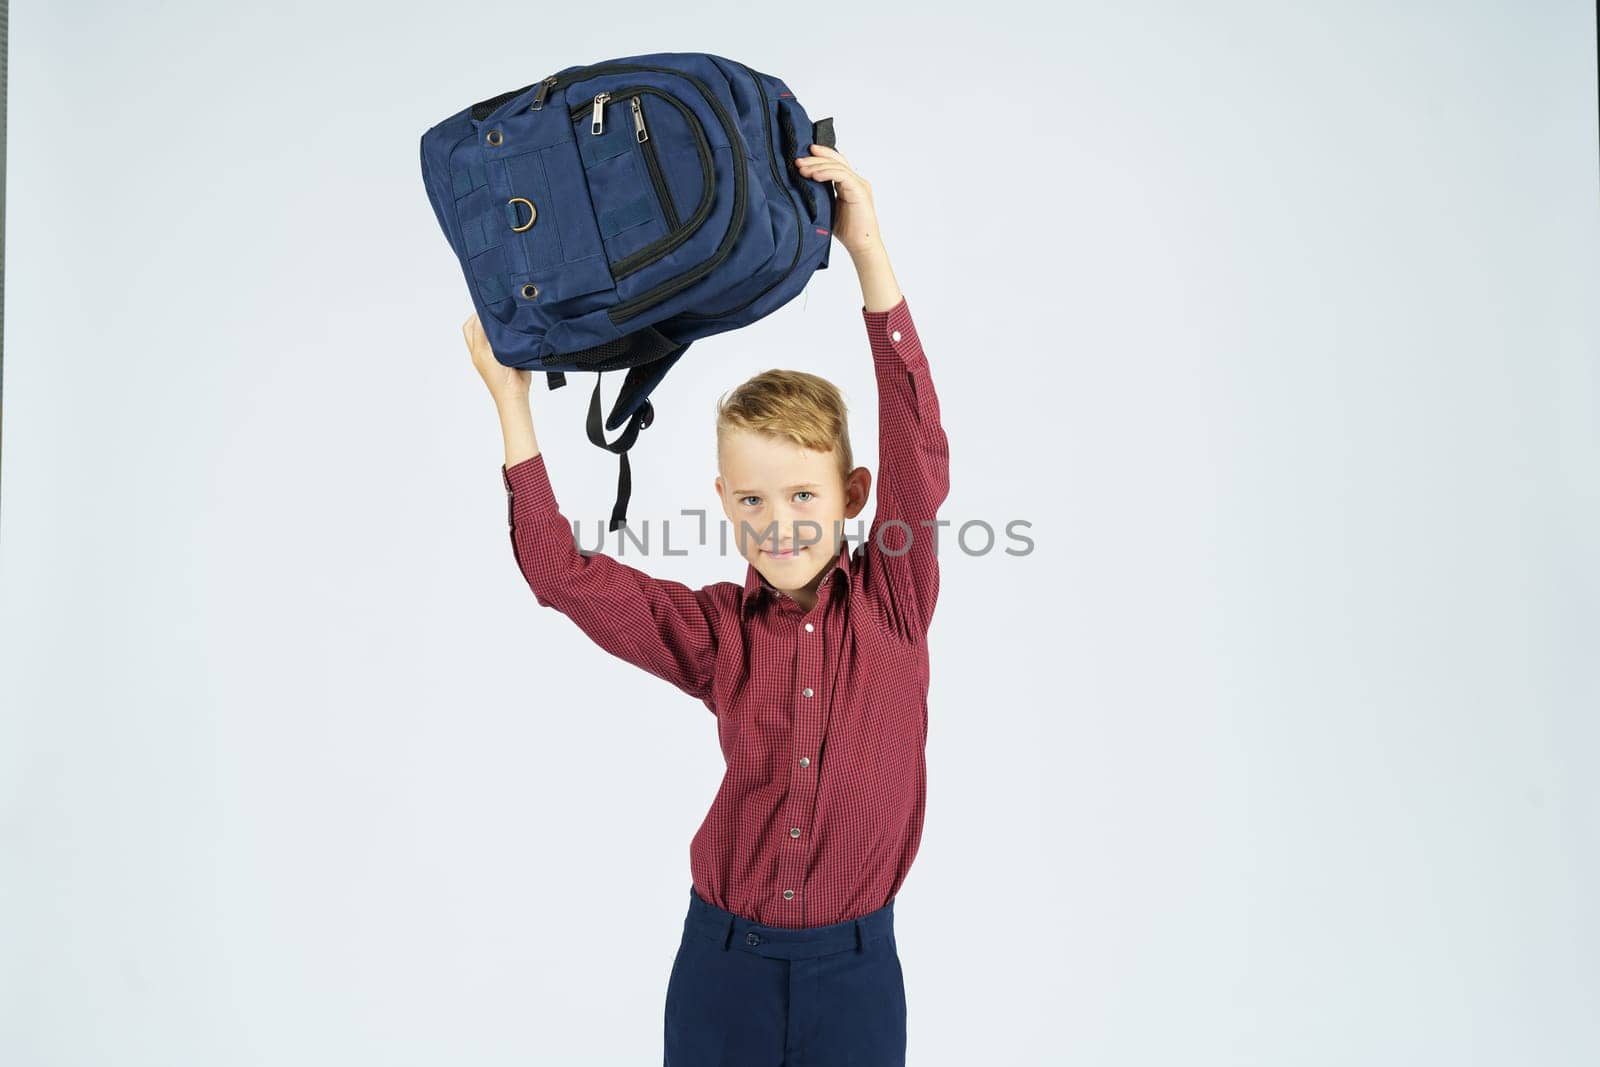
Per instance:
{"type": "Point", "coordinates": [822, 715]}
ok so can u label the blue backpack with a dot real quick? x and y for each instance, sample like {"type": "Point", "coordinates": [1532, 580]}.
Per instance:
{"type": "Point", "coordinates": [611, 214]}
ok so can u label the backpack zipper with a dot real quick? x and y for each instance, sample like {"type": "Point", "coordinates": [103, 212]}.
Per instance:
{"type": "Point", "coordinates": [483, 109]}
{"type": "Point", "coordinates": [599, 112]}
{"type": "Point", "coordinates": [658, 177]}
{"type": "Point", "coordinates": [538, 98]}
{"type": "Point", "coordinates": [678, 231]}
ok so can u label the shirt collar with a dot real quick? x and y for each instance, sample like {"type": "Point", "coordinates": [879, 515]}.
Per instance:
{"type": "Point", "coordinates": [756, 586]}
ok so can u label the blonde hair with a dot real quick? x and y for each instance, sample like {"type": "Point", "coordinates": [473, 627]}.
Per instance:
{"type": "Point", "coordinates": [793, 405]}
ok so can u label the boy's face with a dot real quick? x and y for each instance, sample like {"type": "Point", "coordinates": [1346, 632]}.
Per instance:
{"type": "Point", "coordinates": [787, 505]}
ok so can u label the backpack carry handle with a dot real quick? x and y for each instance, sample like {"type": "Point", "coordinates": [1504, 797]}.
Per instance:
{"type": "Point", "coordinates": [822, 133]}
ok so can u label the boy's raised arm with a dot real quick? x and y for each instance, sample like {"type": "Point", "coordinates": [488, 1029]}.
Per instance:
{"type": "Point", "coordinates": [913, 474]}
{"type": "Point", "coordinates": [902, 570]}
{"type": "Point", "coordinates": [662, 626]}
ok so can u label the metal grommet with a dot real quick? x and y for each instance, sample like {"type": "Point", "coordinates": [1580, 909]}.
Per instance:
{"type": "Point", "coordinates": [529, 290]}
{"type": "Point", "coordinates": [494, 137]}
{"type": "Point", "coordinates": [533, 212]}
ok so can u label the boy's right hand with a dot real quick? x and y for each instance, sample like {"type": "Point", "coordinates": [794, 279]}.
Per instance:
{"type": "Point", "coordinates": [505, 383]}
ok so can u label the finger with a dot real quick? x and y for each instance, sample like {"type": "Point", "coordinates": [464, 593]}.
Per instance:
{"type": "Point", "coordinates": [824, 150]}
{"type": "Point", "coordinates": [809, 164]}
{"type": "Point", "coordinates": [806, 162]}
{"type": "Point", "coordinates": [830, 172]}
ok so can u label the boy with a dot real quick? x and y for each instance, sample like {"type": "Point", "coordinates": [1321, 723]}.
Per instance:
{"type": "Point", "coordinates": [816, 669]}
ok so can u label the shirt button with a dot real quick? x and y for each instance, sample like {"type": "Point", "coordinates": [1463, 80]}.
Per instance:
{"type": "Point", "coordinates": [805, 761]}
{"type": "Point", "coordinates": [788, 894]}
{"type": "Point", "coordinates": [806, 691]}
{"type": "Point", "coordinates": [809, 627]}
{"type": "Point", "coordinates": [794, 831]}
{"type": "Point", "coordinates": [896, 335]}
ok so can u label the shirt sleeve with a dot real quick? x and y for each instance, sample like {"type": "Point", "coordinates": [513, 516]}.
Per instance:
{"type": "Point", "coordinates": [662, 626]}
{"type": "Point", "coordinates": [902, 571]}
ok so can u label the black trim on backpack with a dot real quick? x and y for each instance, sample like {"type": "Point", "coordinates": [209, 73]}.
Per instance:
{"type": "Point", "coordinates": [645, 345]}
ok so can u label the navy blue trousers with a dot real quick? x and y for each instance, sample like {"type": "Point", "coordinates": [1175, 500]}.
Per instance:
{"type": "Point", "coordinates": [746, 995]}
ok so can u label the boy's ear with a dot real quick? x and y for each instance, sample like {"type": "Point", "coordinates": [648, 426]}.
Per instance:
{"type": "Point", "coordinates": [856, 488]}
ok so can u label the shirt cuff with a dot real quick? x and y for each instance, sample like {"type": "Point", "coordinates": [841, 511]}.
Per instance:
{"type": "Point", "coordinates": [528, 488]}
{"type": "Point", "coordinates": [893, 335]}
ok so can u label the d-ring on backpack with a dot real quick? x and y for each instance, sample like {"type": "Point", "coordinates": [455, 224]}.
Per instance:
{"type": "Point", "coordinates": [613, 213]}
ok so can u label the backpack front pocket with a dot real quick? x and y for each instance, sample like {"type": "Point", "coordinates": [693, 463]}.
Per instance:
{"type": "Point", "coordinates": [644, 152]}
{"type": "Point", "coordinates": [532, 242]}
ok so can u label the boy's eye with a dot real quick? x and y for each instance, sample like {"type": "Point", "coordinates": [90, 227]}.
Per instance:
{"type": "Point", "coordinates": [805, 492]}
{"type": "Point", "coordinates": [745, 498]}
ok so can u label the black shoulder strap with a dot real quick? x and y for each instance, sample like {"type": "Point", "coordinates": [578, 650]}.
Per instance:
{"type": "Point", "coordinates": [641, 418]}
{"type": "Point", "coordinates": [647, 354]}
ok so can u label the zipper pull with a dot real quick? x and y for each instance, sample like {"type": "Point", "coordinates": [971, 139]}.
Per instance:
{"type": "Point", "coordinates": [538, 97]}
{"type": "Point", "coordinates": [600, 99]}
{"type": "Point", "coordinates": [638, 122]}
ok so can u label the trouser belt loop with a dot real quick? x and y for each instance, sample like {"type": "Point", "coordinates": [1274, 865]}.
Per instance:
{"type": "Point", "coordinates": [727, 934]}
{"type": "Point", "coordinates": [860, 937]}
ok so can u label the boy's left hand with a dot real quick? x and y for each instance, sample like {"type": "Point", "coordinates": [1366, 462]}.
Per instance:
{"type": "Point", "coordinates": [504, 382]}
{"type": "Point", "coordinates": [855, 220]}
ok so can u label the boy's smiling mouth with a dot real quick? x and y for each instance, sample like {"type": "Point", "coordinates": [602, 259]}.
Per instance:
{"type": "Point", "coordinates": [790, 554]}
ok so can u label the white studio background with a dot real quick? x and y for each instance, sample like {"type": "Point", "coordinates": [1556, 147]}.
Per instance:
{"type": "Point", "coordinates": [1277, 322]}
